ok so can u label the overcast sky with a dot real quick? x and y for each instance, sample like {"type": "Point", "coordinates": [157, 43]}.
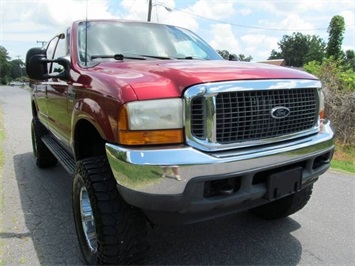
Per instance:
{"type": "Point", "coordinates": [251, 27]}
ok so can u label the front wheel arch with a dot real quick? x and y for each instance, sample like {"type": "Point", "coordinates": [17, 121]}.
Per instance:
{"type": "Point", "coordinates": [88, 142]}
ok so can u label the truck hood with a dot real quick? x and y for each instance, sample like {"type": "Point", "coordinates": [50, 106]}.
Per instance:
{"type": "Point", "coordinates": [154, 79]}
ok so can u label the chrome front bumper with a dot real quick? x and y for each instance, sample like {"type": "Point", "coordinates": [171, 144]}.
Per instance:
{"type": "Point", "coordinates": [147, 177]}
{"type": "Point", "coordinates": [154, 170]}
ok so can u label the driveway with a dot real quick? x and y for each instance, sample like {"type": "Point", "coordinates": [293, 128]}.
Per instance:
{"type": "Point", "coordinates": [36, 221]}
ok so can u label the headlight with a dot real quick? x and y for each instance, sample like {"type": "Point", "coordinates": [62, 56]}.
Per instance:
{"type": "Point", "coordinates": [156, 114]}
{"type": "Point", "coordinates": [151, 122]}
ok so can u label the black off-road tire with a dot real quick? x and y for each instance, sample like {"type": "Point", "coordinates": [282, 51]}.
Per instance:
{"type": "Point", "coordinates": [284, 207]}
{"type": "Point", "coordinates": [119, 230]}
{"type": "Point", "coordinates": [43, 156]}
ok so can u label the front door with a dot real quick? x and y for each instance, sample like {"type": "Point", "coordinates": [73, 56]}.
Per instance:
{"type": "Point", "coordinates": [57, 90]}
{"type": "Point", "coordinates": [57, 106]}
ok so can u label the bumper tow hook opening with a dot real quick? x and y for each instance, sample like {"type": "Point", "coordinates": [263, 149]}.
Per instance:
{"type": "Point", "coordinates": [222, 187]}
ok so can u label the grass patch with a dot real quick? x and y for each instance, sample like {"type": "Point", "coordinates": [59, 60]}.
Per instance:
{"type": "Point", "coordinates": [344, 158]}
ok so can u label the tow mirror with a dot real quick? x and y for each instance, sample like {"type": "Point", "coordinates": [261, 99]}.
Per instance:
{"type": "Point", "coordinates": [33, 69]}
{"type": "Point", "coordinates": [36, 65]}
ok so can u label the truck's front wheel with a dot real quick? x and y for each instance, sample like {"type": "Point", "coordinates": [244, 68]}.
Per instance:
{"type": "Point", "coordinates": [109, 230]}
{"type": "Point", "coordinates": [284, 207]}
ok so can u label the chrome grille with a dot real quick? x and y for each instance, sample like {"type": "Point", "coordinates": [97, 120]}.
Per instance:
{"type": "Point", "coordinates": [245, 116]}
{"type": "Point", "coordinates": [198, 117]}
{"type": "Point", "coordinates": [237, 115]}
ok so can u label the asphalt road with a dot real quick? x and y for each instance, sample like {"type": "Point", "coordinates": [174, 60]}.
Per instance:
{"type": "Point", "coordinates": [36, 221]}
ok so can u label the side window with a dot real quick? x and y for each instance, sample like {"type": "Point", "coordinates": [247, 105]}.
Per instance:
{"type": "Point", "coordinates": [60, 52]}
{"type": "Point", "coordinates": [50, 52]}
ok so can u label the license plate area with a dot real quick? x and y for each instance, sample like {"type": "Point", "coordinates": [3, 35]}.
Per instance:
{"type": "Point", "coordinates": [284, 183]}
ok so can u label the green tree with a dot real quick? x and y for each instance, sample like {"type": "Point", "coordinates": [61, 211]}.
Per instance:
{"type": "Point", "coordinates": [316, 50]}
{"type": "Point", "coordinates": [298, 49]}
{"type": "Point", "coordinates": [224, 53]}
{"type": "Point", "coordinates": [228, 56]}
{"type": "Point", "coordinates": [5, 66]}
{"type": "Point", "coordinates": [275, 55]}
{"type": "Point", "coordinates": [242, 57]}
{"type": "Point", "coordinates": [350, 58]}
{"type": "Point", "coordinates": [17, 70]}
{"type": "Point", "coordinates": [336, 31]}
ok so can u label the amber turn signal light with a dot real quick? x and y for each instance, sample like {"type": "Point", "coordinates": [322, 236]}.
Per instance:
{"type": "Point", "coordinates": [170, 136]}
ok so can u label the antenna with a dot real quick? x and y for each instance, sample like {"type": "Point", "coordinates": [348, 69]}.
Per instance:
{"type": "Point", "coordinates": [86, 34]}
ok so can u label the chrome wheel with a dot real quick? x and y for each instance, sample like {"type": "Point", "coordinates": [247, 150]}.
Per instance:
{"type": "Point", "coordinates": [87, 219]}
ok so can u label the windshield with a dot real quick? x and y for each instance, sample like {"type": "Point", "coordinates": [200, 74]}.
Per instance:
{"type": "Point", "coordinates": [109, 38]}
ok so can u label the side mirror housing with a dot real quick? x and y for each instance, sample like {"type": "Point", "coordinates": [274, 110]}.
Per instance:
{"type": "Point", "coordinates": [34, 69]}
{"type": "Point", "coordinates": [36, 65]}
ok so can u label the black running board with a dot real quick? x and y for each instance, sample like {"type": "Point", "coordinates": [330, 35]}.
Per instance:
{"type": "Point", "coordinates": [61, 154]}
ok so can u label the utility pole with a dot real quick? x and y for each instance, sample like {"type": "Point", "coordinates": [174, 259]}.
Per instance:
{"type": "Point", "coordinates": [19, 63]}
{"type": "Point", "coordinates": [150, 5]}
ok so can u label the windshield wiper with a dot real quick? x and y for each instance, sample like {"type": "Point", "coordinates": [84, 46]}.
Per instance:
{"type": "Point", "coordinates": [118, 57]}
{"type": "Point", "coordinates": [156, 57]}
{"type": "Point", "coordinates": [191, 57]}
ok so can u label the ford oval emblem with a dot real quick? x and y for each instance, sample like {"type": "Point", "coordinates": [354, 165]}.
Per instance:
{"type": "Point", "coordinates": [280, 112]}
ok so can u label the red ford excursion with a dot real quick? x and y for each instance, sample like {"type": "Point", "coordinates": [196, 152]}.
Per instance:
{"type": "Point", "coordinates": [156, 127]}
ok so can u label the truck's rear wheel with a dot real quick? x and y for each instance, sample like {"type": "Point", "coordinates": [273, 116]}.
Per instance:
{"type": "Point", "coordinates": [284, 207]}
{"type": "Point", "coordinates": [43, 156]}
{"type": "Point", "coordinates": [109, 230]}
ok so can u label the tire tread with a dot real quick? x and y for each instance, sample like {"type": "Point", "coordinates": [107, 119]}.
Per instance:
{"type": "Point", "coordinates": [121, 229]}
{"type": "Point", "coordinates": [44, 157]}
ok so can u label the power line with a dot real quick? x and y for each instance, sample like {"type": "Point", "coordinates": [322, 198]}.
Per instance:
{"type": "Point", "coordinates": [245, 26]}
{"type": "Point", "coordinates": [130, 9]}
{"type": "Point", "coordinates": [42, 42]}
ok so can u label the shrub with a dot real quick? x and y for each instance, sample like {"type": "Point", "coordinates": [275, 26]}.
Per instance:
{"type": "Point", "coordinates": [339, 90]}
